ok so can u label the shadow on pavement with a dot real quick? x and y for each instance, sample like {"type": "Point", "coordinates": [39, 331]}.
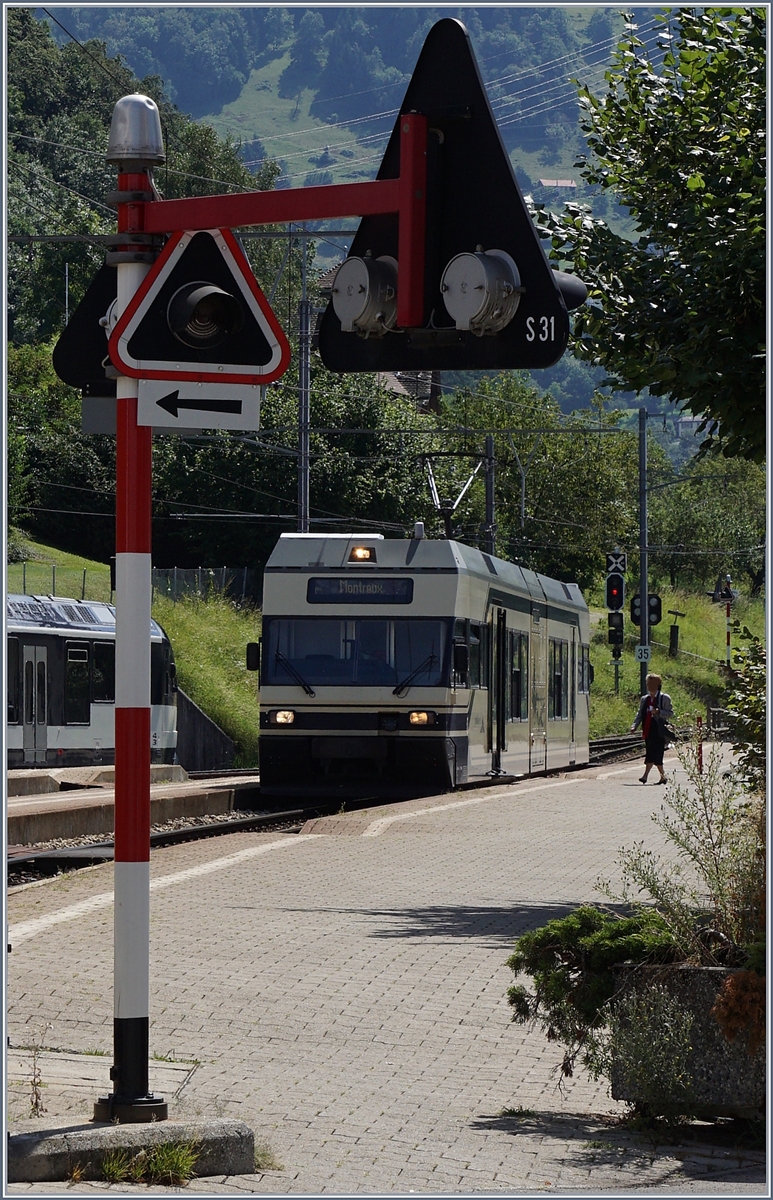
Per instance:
{"type": "Point", "coordinates": [704, 1149]}
{"type": "Point", "coordinates": [499, 923]}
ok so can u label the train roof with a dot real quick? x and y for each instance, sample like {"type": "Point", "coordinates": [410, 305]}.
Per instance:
{"type": "Point", "coordinates": [326, 552]}
{"type": "Point", "coordinates": [64, 614]}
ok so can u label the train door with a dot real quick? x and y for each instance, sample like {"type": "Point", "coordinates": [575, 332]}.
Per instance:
{"type": "Point", "coordinates": [35, 703]}
{"type": "Point", "coordinates": [498, 688]}
{"type": "Point", "coordinates": [539, 737]}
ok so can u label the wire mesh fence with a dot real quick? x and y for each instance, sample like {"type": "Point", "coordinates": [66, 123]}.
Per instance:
{"type": "Point", "coordinates": [242, 585]}
{"type": "Point", "coordinates": [48, 579]}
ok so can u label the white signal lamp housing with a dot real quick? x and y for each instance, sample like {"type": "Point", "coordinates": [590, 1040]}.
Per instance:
{"type": "Point", "coordinates": [365, 295]}
{"type": "Point", "coordinates": [481, 291]}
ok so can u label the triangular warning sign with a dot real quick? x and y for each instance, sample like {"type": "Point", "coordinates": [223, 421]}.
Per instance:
{"type": "Point", "coordinates": [200, 316]}
{"type": "Point", "coordinates": [474, 204]}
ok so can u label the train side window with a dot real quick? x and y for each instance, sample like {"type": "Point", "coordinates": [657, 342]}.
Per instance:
{"type": "Point", "coordinates": [103, 676]}
{"type": "Point", "coordinates": [461, 662]}
{"type": "Point", "coordinates": [13, 681]}
{"type": "Point", "coordinates": [475, 656]}
{"type": "Point", "coordinates": [41, 707]}
{"type": "Point", "coordinates": [558, 680]}
{"type": "Point", "coordinates": [583, 681]}
{"type": "Point", "coordinates": [485, 655]}
{"type": "Point", "coordinates": [29, 692]}
{"type": "Point", "coordinates": [567, 675]}
{"type": "Point", "coordinates": [77, 709]}
{"type": "Point", "coordinates": [519, 676]}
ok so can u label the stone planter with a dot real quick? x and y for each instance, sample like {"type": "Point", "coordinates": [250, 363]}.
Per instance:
{"type": "Point", "coordinates": [727, 1081]}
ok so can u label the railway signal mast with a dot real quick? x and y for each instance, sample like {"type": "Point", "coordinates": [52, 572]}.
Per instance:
{"type": "Point", "coordinates": [446, 271]}
{"type": "Point", "coordinates": [614, 594]}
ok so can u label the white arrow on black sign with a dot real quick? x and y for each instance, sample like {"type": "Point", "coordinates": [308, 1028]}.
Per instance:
{"type": "Point", "coordinates": [198, 405]}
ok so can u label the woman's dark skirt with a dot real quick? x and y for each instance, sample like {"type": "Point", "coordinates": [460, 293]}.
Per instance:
{"type": "Point", "coordinates": [654, 745]}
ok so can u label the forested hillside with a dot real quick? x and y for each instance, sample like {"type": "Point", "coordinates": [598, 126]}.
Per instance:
{"type": "Point", "coordinates": [563, 496]}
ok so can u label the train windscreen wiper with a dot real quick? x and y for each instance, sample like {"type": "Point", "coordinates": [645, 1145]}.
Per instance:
{"type": "Point", "coordinates": [406, 683]}
{"type": "Point", "coordinates": [288, 666]}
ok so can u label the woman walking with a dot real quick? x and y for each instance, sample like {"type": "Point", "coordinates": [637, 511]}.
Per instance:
{"type": "Point", "coordinates": [655, 710]}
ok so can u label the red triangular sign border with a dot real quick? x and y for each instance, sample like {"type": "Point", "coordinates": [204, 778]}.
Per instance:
{"type": "Point", "coordinates": [135, 311]}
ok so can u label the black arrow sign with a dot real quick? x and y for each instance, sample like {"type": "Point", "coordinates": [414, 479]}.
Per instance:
{"type": "Point", "coordinates": [171, 405]}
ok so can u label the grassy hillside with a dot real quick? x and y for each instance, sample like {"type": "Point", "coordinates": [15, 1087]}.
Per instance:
{"type": "Point", "coordinates": [209, 640]}
{"type": "Point", "coordinates": [48, 570]}
{"type": "Point", "coordinates": [693, 679]}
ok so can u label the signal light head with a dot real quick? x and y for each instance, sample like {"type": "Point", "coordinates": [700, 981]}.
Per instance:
{"type": "Point", "coordinates": [615, 590]}
{"type": "Point", "coordinates": [365, 295]}
{"type": "Point", "coordinates": [201, 315]}
{"type": "Point", "coordinates": [481, 291]}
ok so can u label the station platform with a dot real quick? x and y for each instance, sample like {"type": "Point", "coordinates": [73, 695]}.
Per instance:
{"type": "Point", "coordinates": [80, 801]}
{"type": "Point", "coordinates": [343, 991]}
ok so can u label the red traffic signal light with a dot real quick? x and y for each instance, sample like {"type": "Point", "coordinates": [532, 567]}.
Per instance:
{"type": "Point", "coordinates": [615, 591]}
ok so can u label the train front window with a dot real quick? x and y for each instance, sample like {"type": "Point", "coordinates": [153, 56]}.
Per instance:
{"type": "Point", "coordinates": [363, 652]}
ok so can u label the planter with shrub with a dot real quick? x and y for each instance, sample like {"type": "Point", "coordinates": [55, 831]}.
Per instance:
{"type": "Point", "coordinates": [663, 989]}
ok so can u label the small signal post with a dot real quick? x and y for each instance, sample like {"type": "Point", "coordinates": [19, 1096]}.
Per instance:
{"type": "Point", "coordinates": [135, 146]}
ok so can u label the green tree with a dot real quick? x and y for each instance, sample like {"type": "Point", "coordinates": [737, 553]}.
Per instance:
{"type": "Point", "coordinates": [707, 520]}
{"type": "Point", "coordinates": [563, 496]}
{"type": "Point", "coordinates": [62, 481]}
{"type": "Point", "coordinates": [60, 106]}
{"type": "Point", "coordinates": [681, 143]}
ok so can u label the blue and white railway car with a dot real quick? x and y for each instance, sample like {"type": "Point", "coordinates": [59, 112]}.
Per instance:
{"type": "Point", "coordinates": [61, 684]}
{"type": "Point", "coordinates": [415, 663]}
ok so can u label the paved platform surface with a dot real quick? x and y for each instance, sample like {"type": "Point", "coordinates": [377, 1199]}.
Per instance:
{"type": "Point", "coordinates": [342, 991]}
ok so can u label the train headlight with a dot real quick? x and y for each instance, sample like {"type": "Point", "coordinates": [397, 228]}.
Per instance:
{"type": "Point", "coordinates": [421, 718]}
{"type": "Point", "coordinates": [281, 716]}
{"type": "Point", "coordinates": [362, 554]}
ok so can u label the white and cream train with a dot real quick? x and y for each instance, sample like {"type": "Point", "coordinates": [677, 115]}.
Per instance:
{"type": "Point", "coordinates": [417, 664]}
{"type": "Point", "coordinates": [60, 656]}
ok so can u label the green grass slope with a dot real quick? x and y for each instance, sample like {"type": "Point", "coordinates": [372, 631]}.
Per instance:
{"type": "Point", "coordinates": [694, 679]}
{"type": "Point", "coordinates": [209, 640]}
{"type": "Point", "coordinates": [50, 571]}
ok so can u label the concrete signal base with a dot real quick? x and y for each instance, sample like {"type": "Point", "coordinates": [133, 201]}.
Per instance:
{"type": "Point", "coordinates": [38, 1155]}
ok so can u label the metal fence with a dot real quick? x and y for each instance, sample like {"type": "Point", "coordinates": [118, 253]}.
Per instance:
{"type": "Point", "coordinates": [47, 579]}
{"type": "Point", "coordinates": [241, 584]}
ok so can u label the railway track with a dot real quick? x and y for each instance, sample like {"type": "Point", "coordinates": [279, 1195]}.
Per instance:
{"type": "Point", "coordinates": [27, 864]}
{"type": "Point", "coordinates": [619, 746]}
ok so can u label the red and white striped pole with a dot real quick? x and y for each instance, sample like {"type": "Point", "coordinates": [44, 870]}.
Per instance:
{"type": "Point", "coordinates": [135, 144]}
